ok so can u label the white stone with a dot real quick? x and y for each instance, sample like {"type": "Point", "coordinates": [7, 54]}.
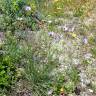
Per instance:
{"type": "Point", "coordinates": [50, 92]}
{"type": "Point", "coordinates": [19, 18]}
{"type": "Point", "coordinates": [90, 90]}
{"type": "Point", "coordinates": [49, 21]}
{"type": "Point", "coordinates": [88, 55]}
{"type": "Point", "coordinates": [76, 61]}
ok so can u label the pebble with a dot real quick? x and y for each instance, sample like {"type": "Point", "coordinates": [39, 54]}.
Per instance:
{"type": "Point", "coordinates": [90, 90]}
{"type": "Point", "coordinates": [50, 92]}
{"type": "Point", "coordinates": [87, 55]}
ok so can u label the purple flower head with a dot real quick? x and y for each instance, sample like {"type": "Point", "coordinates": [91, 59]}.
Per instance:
{"type": "Point", "coordinates": [85, 40]}
{"type": "Point", "coordinates": [27, 8]}
{"type": "Point", "coordinates": [51, 33]}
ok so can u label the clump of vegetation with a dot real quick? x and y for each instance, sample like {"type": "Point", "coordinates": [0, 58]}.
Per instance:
{"type": "Point", "coordinates": [7, 72]}
{"type": "Point", "coordinates": [93, 50]}
{"type": "Point", "coordinates": [39, 76]}
{"type": "Point", "coordinates": [19, 15]}
{"type": "Point", "coordinates": [7, 67]}
{"type": "Point", "coordinates": [10, 56]}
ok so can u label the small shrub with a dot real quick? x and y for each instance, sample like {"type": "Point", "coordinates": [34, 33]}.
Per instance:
{"type": "Point", "coordinates": [93, 50]}
{"type": "Point", "coordinates": [69, 87]}
{"type": "Point", "coordinates": [92, 40]}
{"type": "Point", "coordinates": [73, 75]}
{"type": "Point", "coordinates": [85, 62]}
{"type": "Point", "coordinates": [17, 16]}
{"type": "Point", "coordinates": [79, 12]}
{"type": "Point", "coordinates": [7, 72]}
{"type": "Point", "coordinates": [10, 56]}
{"type": "Point", "coordinates": [39, 76]}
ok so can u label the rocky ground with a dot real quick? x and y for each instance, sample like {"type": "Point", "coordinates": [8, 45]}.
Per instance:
{"type": "Point", "coordinates": [72, 40]}
{"type": "Point", "coordinates": [70, 44]}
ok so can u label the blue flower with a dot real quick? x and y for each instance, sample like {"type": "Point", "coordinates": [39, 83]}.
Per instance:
{"type": "Point", "coordinates": [27, 8]}
{"type": "Point", "coordinates": [51, 33]}
{"type": "Point", "coordinates": [85, 40]}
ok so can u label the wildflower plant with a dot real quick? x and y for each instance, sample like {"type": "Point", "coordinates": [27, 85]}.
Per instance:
{"type": "Point", "coordinates": [39, 67]}
{"type": "Point", "coordinates": [14, 9]}
{"type": "Point", "coordinates": [7, 65]}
